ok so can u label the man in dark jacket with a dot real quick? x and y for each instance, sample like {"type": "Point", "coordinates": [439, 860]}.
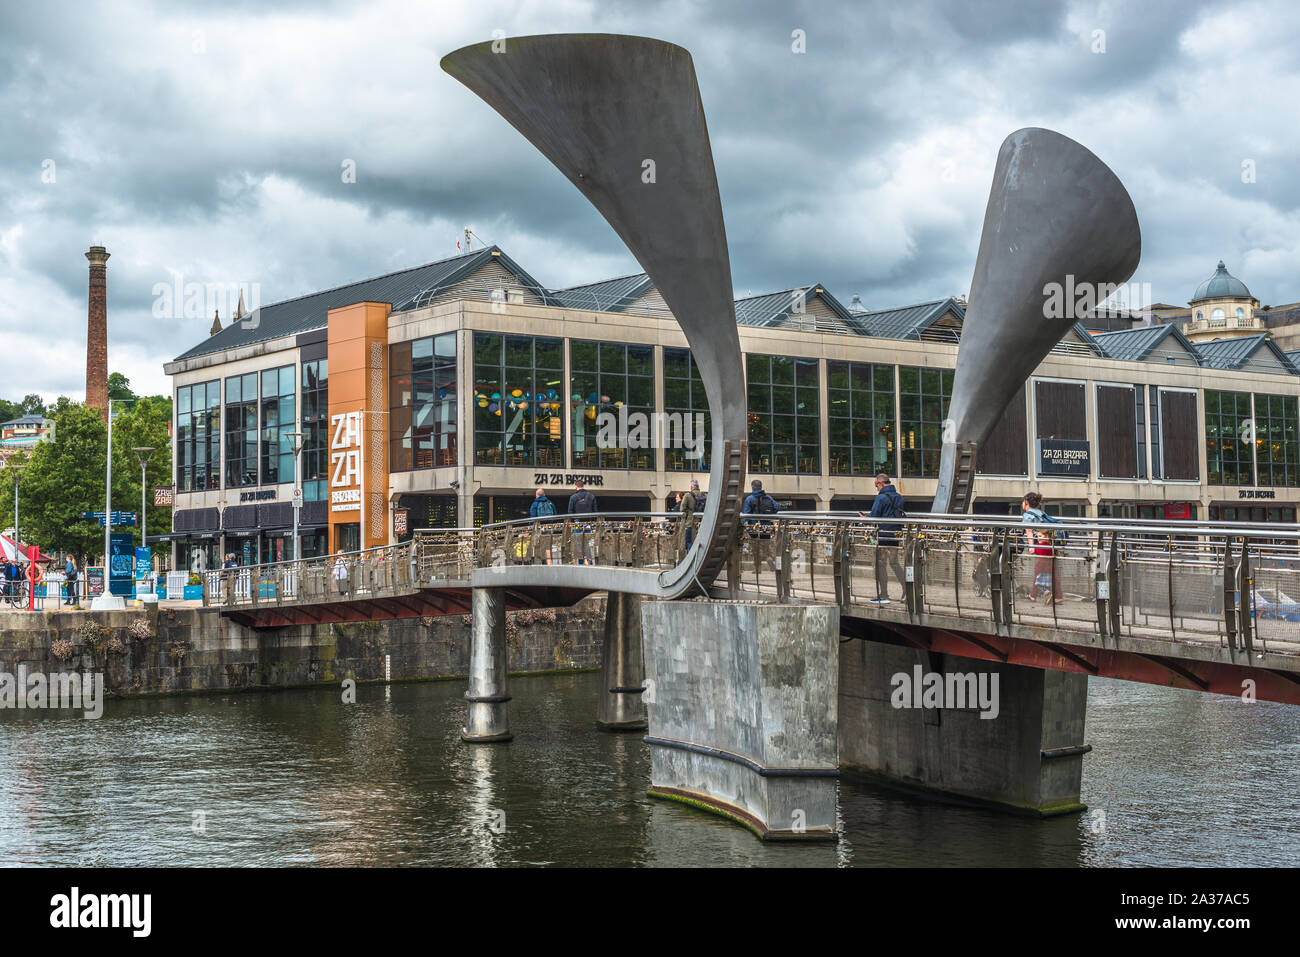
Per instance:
{"type": "Point", "coordinates": [582, 502]}
{"type": "Point", "coordinates": [758, 502]}
{"type": "Point", "coordinates": [688, 510]}
{"type": "Point", "coordinates": [542, 506]}
{"type": "Point", "coordinates": [888, 504]}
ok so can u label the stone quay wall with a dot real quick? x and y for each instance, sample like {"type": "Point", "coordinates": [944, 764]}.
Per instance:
{"type": "Point", "coordinates": [192, 650]}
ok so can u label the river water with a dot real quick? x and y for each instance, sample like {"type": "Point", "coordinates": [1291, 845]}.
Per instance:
{"type": "Point", "coordinates": [298, 777]}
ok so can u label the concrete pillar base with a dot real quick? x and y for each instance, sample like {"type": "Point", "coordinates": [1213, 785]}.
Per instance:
{"type": "Point", "coordinates": [742, 703]}
{"type": "Point", "coordinates": [622, 667]}
{"type": "Point", "coordinates": [487, 720]}
{"type": "Point", "coordinates": [1025, 757]}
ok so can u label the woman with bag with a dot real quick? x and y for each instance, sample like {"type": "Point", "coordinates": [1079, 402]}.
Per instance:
{"type": "Point", "coordinates": [1045, 581]}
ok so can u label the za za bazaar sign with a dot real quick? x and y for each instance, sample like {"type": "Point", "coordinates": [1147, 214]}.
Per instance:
{"type": "Point", "coordinates": [345, 462]}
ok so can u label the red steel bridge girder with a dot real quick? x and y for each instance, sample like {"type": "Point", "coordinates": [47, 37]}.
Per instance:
{"type": "Point", "coordinates": [1208, 676]}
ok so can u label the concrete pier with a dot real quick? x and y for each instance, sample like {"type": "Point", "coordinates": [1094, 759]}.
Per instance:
{"type": "Point", "coordinates": [1024, 756]}
{"type": "Point", "coordinates": [622, 666]}
{"type": "Point", "coordinates": [488, 692]}
{"type": "Point", "coordinates": [742, 703]}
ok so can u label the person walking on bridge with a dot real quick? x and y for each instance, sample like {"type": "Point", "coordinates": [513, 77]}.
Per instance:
{"type": "Point", "coordinates": [689, 504]}
{"type": "Point", "coordinates": [888, 504]}
{"type": "Point", "coordinates": [1046, 583]}
{"type": "Point", "coordinates": [541, 507]}
{"type": "Point", "coordinates": [582, 502]}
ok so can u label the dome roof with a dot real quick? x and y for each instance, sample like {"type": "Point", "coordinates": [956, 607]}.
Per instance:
{"type": "Point", "coordinates": [1222, 285]}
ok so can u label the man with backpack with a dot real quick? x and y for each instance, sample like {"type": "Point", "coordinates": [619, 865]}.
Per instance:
{"type": "Point", "coordinates": [542, 506]}
{"type": "Point", "coordinates": [758, 502]}
{"type": "Point", "coordinates": [691, 504]}
{"type": "Point", "coordinates": [888, 504]}
{"type": "Point", "coordinates": [582, 502]}
{"type": "Point", "coordinates": [1045, 579]}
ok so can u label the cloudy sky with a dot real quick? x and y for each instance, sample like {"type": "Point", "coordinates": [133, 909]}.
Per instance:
{"type": "Point", "coordinates": [208, 144]}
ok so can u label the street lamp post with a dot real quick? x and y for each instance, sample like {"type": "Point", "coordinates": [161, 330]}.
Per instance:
{"type": "Point", "coordinates": [142, 453]}
{"type": "Point", "coordinates": [108, 600]}
{"type": "Point", "coordinates": [18, 472]}
{"type": "Point", "coordinates": [296, 443]}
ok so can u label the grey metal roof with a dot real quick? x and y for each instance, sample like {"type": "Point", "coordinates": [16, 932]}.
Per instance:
{"type": "Point", "coordinates": [772, 308]}
{"type": "Point", "coordinates": [1139, 343]}
{"type": "Point", "coordinates": [1221, 284]}
{"type": "Point", "coordinates": [1236, 352]}
{"type": "Point", "coordinates": [906, 322]}
{"type": "Point", "coordinates": [403, 289]}
{"type": "Point", "coordinates": [610, 295]}
{"type": "Point", "coordinates": [1087, 337]}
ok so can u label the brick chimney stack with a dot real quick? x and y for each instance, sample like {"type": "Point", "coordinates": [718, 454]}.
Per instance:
{"type": "Point", "coordinates": [97, 332]}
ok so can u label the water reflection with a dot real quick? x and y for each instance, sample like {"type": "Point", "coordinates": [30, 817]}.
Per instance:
{"type": "Point", "coordinates": [301, 778]}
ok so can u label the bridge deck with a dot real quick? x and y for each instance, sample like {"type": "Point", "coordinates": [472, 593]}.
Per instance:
{"type": "Point", "coordinates": [1147, 592]}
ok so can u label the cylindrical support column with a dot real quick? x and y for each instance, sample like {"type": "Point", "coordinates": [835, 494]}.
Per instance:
{"type": "Point", "coordinates": [488, 692]}
{"type": "Point", "coordinates": [622, 667]}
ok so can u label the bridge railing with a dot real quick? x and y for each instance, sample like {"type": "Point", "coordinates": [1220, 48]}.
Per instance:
{"type": "Point", "coordinates": [653, 540]}
{"type": "Point", "coordinates": [1193, 581]}
{"type": "Point", "coordinates": [1238, 584]}
{"type": "Point", "coordinates": [439, 557]}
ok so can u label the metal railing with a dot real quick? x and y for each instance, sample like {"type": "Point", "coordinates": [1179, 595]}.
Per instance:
{"type": "Point", "coordinates": [1237, 584]}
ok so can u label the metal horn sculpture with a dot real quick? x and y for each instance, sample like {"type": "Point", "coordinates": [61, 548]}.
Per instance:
{"type": "Point", "coordinates": [621, 117]}
{"type": "Point", "coordinates": [1055, 211]}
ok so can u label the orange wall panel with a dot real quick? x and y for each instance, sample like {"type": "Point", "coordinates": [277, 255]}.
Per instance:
{"type": "Point", "coordinates": [358, 402]}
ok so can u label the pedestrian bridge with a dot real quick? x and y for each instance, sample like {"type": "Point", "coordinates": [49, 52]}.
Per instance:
{"type": "Point", "coordinates": [1204, 606]}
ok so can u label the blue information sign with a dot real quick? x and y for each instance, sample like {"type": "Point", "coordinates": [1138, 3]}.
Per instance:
{"type": "Point", "coordinates": [121, 551]}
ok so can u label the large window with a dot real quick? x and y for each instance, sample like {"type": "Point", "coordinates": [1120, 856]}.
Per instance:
{"type": "Point", "coordinates": [315, 431]}
{"type": "Point", "coordinates": [608, 378]}
{"type": "Point", "coordinates": [1276, 444]}
{"type": "Point", "coordinates": [1120, 432]}
{"type": "Point", "coordinates": [278, 420]}
{"type": "Point", "coordinates": [1175, 451]}
{"type": "Point", "coordinates": [923, 396]}
{"type": "Point", "coordinates": [860, 410]}
{"type": "Point", "coordinates": [422, 393]}
{"type": "Point", "coordinates": [518, 401]}
{"type": "Point", "coordinates": [198, 437]}
{"type": "Point", "coordinates": [784, 422]}
{"type": "Point", "coordinates": [1227, 434]}
{"type": "Point", "coordinates": [684, 397]}
{"type": "Point", "coordinates": [241, 430]}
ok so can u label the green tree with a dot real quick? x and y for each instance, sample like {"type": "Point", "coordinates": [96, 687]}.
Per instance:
{"type": "Point", "coordinates": [32, 405]}
{"type": "Point", "coordinates": [62, 479]}
{"type": "Point", "coordinates": [65, 477]}
{"type": "Point", "coordinates": [119, 386]}
{"type": "Point", "coordinates": [143, 423]}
